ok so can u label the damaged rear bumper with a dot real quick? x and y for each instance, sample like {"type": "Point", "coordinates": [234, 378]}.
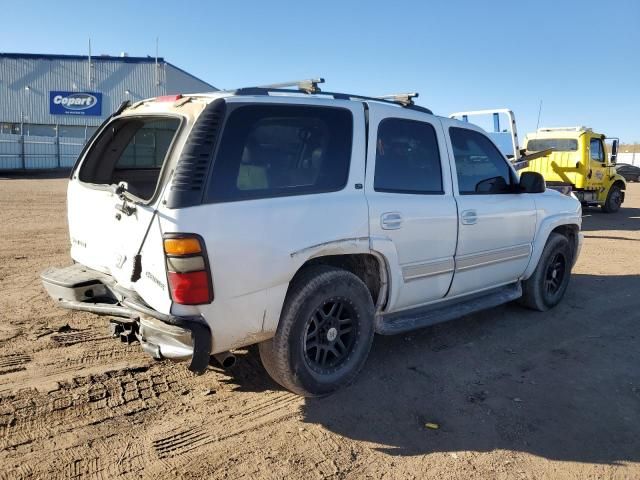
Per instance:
{"type": "Point", "coordinates": [163, 336]}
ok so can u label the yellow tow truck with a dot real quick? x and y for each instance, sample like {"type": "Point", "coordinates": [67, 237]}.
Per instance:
{"type": "Point", "coordinates": [571, 159]}
{"type": "Point", "coordinates": [576, 158]}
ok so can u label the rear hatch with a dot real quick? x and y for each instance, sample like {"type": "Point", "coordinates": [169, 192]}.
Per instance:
{"type": "Point", "coordinates": [115, 191]}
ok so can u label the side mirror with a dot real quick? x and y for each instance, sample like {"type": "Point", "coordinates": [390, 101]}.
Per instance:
{"type": "Point", "coordinates": [614, 152]}
{"type": "Point", "coordinates": [491, 185]}
{"type": "Point", "coordinates": [532, 182]}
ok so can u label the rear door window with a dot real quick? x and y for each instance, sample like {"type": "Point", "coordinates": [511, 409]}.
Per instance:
{"type": "Point", "coordinates": [480, 166]}
{"type": "Point", "coordinates": [280, 150]}
{"type": "Point", "coordinates": [407, 158]}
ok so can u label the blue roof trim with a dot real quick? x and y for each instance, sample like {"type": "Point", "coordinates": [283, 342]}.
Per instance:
{"type": "Point", "coordinates": [97, 58]}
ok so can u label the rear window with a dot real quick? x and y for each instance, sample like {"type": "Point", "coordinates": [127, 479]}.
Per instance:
{"type": "Point", "coordinates": [280, 150]}
{"type": "Point", "coordinates": [130, 150]}
{"type": "Point", "coordinates": [558, 144]}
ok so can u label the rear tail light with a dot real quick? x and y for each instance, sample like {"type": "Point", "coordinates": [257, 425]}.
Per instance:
{"type": "Point", "coordinates": [182, 246]}
{"type": "Point", "coordinates": [187, 269]}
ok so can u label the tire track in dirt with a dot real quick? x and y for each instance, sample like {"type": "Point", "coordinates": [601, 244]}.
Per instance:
{"type": "Point", "coordinates": [104, 458]}
{"type": "Point", "coordinates": [73, 337]}
{"type": "Point", "coordinates": [44, 369]}
{"type": "Point", "coordinates": [108, 353]}
{"type": "Point", "coordinates": [261, 410]}
{"type": "Point", "coordinates": [23, 472]}
{"type": "Point", "coordinates": [127, 453]}
{"type": "Point", "coordinates": [29, 415]}
{"type": "Point", "coordinates": [13, 363]}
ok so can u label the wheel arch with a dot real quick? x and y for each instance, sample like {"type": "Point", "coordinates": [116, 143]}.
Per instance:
{"type": "Point", "coordinates": [370, 267]}
{"type": "Point", "coordinates": [620, 183]}
{"type": "Point", "coordinates": [572, 233]}
{"type": "Point", "coordinates": [568, 227]}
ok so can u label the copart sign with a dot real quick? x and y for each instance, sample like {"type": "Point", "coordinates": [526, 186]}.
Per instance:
{"type": "Point", "coordinates": [75, 103]}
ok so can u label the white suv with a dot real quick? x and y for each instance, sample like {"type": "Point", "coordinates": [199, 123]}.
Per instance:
{"type": "Point", "coordinates": [305, 222]}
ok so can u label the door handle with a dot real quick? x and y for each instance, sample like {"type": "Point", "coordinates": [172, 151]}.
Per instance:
{"type": "Point", "coordinates": [391, 221]}
{"type": "Point", "coordinates": [469, 217]}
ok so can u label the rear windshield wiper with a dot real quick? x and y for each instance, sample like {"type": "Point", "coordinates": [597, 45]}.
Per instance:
{"type": "Point", "coordinates": [122, 191]}
{"type": "Point", "coordinates": [127, 198]}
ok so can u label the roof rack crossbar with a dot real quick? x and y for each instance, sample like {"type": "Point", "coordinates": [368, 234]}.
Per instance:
{"type": "Point", "coordinates": [309, 85]}
{"type": "Point", "coordinates": [405, 99]}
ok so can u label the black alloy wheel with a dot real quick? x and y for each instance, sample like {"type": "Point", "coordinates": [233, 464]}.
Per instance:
{"type": "Point", "coordinates": [555, 273]}
{"type": "Point", "coordinates": [330, 335]}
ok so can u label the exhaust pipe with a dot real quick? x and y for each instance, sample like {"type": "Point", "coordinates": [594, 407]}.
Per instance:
{"type": "Point", "coordinates": [225, 359]}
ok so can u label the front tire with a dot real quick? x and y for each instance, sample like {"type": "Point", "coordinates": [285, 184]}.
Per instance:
{"type": "Point", "coordinates": [324, 335]}
{"type": "Point", "coordinates": [614, 200]}
{"type": "Point", "coordinates": [548, 284]}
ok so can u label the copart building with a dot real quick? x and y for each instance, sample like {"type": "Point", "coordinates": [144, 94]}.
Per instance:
{"type": "Point", "coordinates": [51, 104]}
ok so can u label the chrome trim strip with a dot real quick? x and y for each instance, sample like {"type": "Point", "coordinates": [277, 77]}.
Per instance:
{"type": "Point", "coordinates": [481, 259]}
{"type": "Point", "coordinates": [427, 269]}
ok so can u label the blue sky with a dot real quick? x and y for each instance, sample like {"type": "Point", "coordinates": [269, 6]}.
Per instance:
{"type": "Point", "coordinates": [580, 57]}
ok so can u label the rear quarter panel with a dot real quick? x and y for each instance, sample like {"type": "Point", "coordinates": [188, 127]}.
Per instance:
{"type": "Point", "coordinates": [255, 247]}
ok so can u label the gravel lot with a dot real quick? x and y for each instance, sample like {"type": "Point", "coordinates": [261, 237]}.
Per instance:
{"type": "Point", "coordinates": [517, 394]}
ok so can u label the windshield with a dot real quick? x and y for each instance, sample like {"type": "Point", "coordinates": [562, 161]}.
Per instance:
{"type": "Point", "coordinates": [558, 144]}
{"type": "Point", "coordinates": [130, 150]}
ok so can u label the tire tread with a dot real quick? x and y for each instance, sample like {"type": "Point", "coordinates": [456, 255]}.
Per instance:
{"type": "Point", "coordinates": [275, 352]}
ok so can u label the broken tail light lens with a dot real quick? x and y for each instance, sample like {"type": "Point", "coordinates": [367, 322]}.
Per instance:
{"type": "Point", "coordinates": [188, 270]}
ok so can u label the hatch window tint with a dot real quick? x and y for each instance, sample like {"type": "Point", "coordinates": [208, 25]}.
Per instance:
{"type": "Point", "coordinates": [281, 150]}
{"type": "Point", "coordinates": [407, 158]}
{"type": "Point", "coordinates": [480, 166]}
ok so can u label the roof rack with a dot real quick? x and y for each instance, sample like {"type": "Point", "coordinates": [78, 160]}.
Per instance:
{"type": "Point", "coordinates": [405, 99]}
{"type": "Point", "coordinates": [310, 86]}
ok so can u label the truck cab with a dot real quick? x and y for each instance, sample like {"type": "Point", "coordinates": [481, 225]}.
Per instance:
{"type": "Point", "coordinates": [577, 159]}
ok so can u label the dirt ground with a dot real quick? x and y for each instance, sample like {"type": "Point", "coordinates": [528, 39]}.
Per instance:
{"type": "Point", "coordinates": [517, 394]}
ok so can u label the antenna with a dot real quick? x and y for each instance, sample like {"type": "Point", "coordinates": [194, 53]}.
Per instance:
{"type": "Point", "coordinates": [90, 76]}
{"type": "Point", "coordinates": [539, 113]}
{"type": "Point", "coordinates": [157, 73]}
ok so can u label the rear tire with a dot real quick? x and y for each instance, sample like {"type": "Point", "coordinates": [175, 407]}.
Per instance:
{"type": "Point", "coordinates": [324, 335]}
{"type": "Point", "coordinates": [548, 284]}
{"type": "Point", "coordinates": [614, 200]}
